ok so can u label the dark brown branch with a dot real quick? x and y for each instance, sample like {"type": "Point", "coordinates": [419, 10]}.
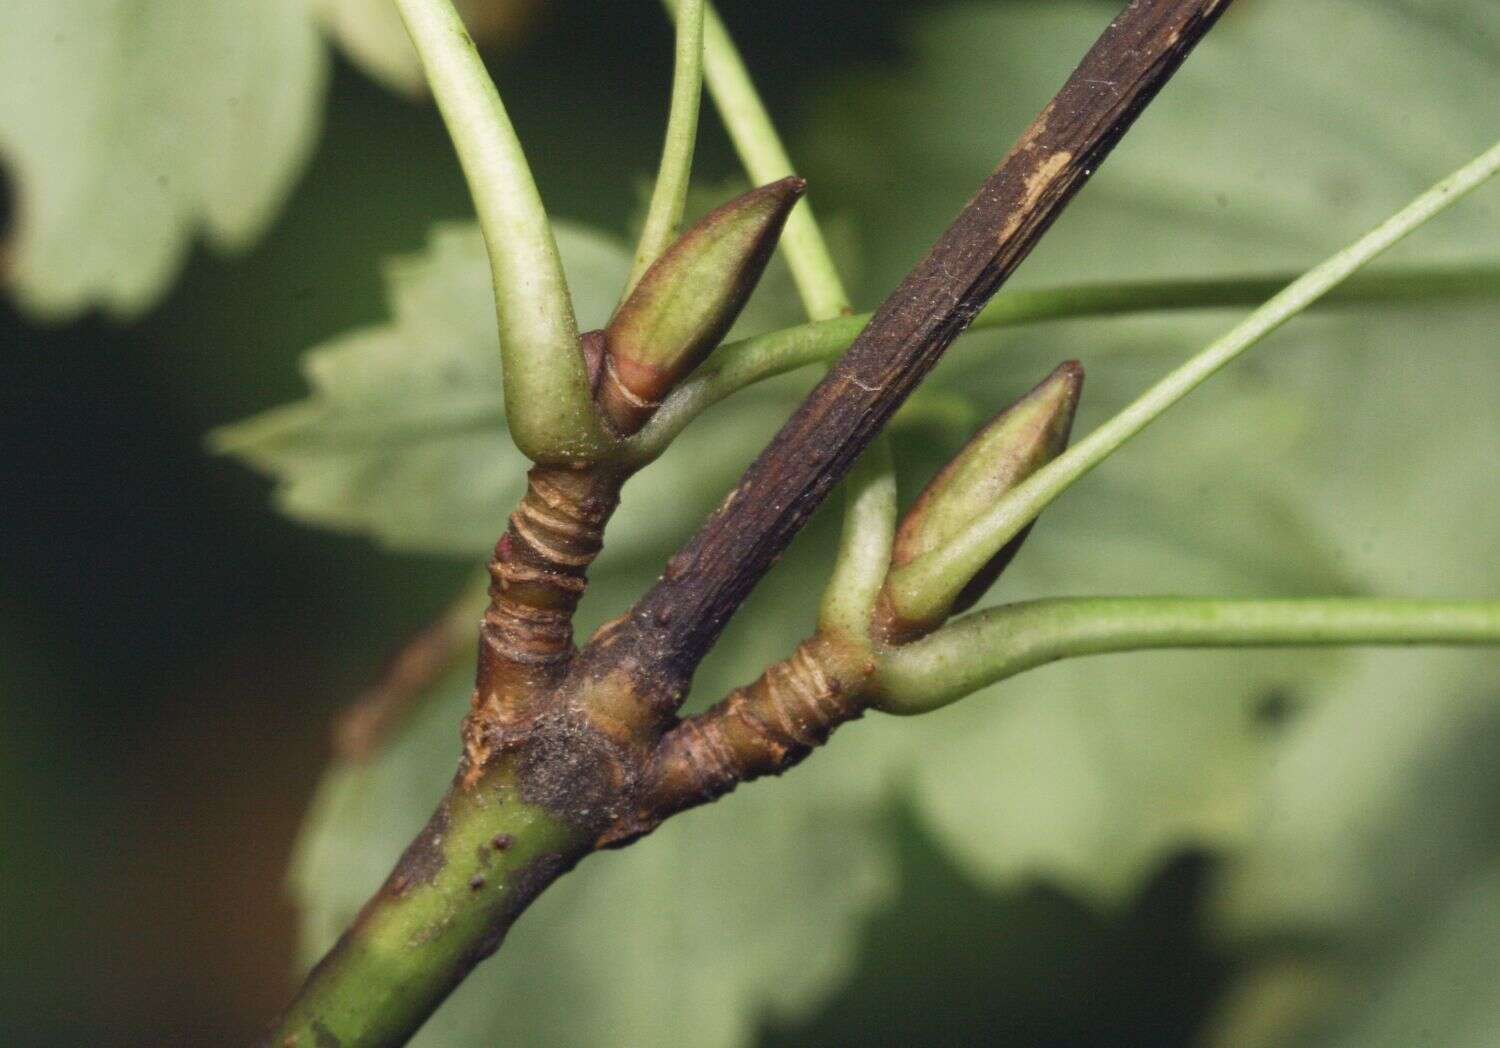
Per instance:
{"type": "Point", "coordinates": [668, 632]}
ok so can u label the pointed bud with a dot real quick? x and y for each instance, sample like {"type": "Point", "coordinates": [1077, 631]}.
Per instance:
{"type": "Point", "coordinates": [1014, 445]}
{"type": "Point", "coordinates": [688, 300]}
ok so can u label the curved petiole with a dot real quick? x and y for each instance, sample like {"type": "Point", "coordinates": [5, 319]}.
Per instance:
{"type": "Point", "coordinates": [669, 196]}
{"type": "Point", "coordinates": [991, 645]}
{"type": "Point", "coordinates": [765, 159]}
{"type": "Point", "coordinates": [864, 554]}
{"type": "Point", "coordinates": [549, 407]}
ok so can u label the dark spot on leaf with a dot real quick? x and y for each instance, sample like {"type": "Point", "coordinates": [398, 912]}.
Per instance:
{"type": "Point", "coordinates": [1274, 708]}
{"type": "Point", "coordinates": [1340, 190]}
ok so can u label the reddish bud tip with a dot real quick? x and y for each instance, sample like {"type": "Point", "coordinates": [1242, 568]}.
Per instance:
{"type": "Point", "coordinates": [1020, 440]}
{"type": "Point", "coordinates": [688, 300]}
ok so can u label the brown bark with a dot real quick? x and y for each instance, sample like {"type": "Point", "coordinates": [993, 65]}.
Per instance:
{"type": "Point", "coordinates": [762, 729]}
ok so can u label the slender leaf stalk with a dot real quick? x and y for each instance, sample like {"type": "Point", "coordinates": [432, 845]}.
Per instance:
{"type": "Point", "coordinates": [865, 548]}
{"type": "Point", "coordinates": [997, 643]}
{"type": "Point", "coordinates": [766, 160]}
{"type": "Point", "coordinates": [917, 589]}
{"type": "Point", "coordinates": [669, 197]}
{"type": "Point", "coordinates": [740, 364]}
{"type": "Point", "coordinates": [548, 406]}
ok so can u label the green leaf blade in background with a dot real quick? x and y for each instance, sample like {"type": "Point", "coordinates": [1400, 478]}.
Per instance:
{"type": "Point", "coordinates": [405, 435]}
{"type": "Point", "coordinates": [1348, 455]}
{"type": "Point", "coordinates": [371, 33]}
{"type": "Point", "coordinates": [1362, 825]}
{"type": "Point", "coordinates": [130, 129]}
{"type": "Point", "coordinates": [404, 438]}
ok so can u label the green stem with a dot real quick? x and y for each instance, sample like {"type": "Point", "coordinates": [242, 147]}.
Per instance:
{"type": "Point", "coordinates": [669, 197]}
{"type": "Point", "coordinates": [997, 643]}
{"type": "Point", "coordinates": [865, 547]}
{"type": "Point", "coordinates": [548, 404]}
{"type": "Point", "coordinates": [766, 160]}
{"type": "Point", "coordinates": [918, 588]}
{"type": "Point", "coordinates": [455, 893]}
{"type": "Point", "coordinates": [748, 361]}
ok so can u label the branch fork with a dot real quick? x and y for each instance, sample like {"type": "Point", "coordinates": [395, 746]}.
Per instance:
{"type": "Point", "coordinates": [562, 749]}
{"type": "Point", "coordinates": [677, 312]}
{"type": "Point", "coordinates": [568, 751]}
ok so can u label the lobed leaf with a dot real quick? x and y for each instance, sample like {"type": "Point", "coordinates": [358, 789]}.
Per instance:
{"type": "Point", "coordinates": [131, 129]}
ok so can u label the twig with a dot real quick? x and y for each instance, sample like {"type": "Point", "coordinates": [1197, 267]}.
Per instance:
{"type": "Point", "coordinates": [552, 771]}
{"type": "Point", "coordinates": [669, 631]}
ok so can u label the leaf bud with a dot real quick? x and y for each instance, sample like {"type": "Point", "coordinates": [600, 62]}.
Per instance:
{"type": "Point", "coordinates": [688, 300]}
{"type": "Point", "coordinates": [1020, 440]}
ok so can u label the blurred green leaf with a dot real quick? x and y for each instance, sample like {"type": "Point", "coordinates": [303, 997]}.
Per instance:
{"type": "Point", "coordinates": [1371, 895]}
{"type": "Point", "coordinates": [1438, 985]}
{"type": "Point", "coordinates": [404, 437]}
{"type": "Point", "coordinates": [1365, 827]}
{"type": "Point", "coordinates": [1266, 150]}
{"type": "Point", "coordinates": [372, 35]}
{"type": "Point", "coordinates": [131, 128]}
{"type": "Point", "coordinates": [1349, 455]}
